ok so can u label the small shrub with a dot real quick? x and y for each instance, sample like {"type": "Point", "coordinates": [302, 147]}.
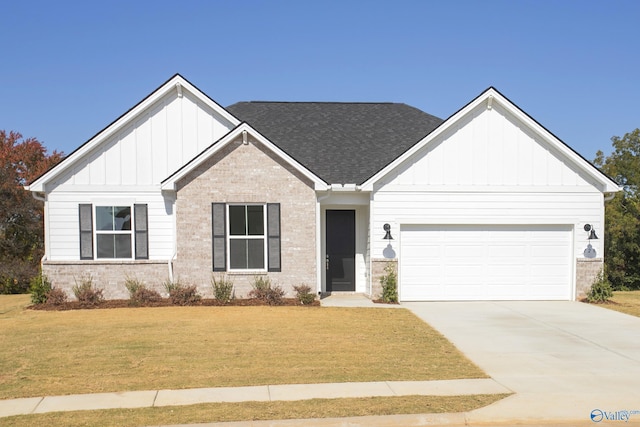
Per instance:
{"type": "Point", "coordinates": [222, 288]}
{"type": "Point", "coordinates": [389, 282]}
{"type": "Point", "coordinates": [304, 295]}
{"type": "Point", "coordinates": [170, 286]}
{"type": "Point", "coordinates": [180, 294]}
{"type": "Point", "coordinates": [601, 290]}
{"type": "Point", "coordinates": [133, 284]}
{"type": "Point", "coordinates": [145, 296]}
{"type": "Point", "coordinates": [139, 294]}
{"type": "Point", "coordinates": [86, 293]}
{"type": "Point", "coordinates": [56, 297]}
{"type": "Point", "coordinates": [38, 288]}
{"type": "Point", "coordinates": [262, 290]}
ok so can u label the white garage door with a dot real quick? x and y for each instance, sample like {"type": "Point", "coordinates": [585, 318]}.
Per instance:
{"type": "Point", "coordinates": [485, 262]}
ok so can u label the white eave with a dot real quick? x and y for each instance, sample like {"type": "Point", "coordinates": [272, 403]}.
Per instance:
{"type": "Point", "coordinates": [177, 83]}
{"type": "Point", "coordinates": [243, 130]}
{"type": "Point", "coordinates": [489, 98]}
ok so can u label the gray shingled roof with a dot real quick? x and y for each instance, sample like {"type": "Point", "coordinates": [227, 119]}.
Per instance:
{"type": "Point", "coordinates": [344, 143]}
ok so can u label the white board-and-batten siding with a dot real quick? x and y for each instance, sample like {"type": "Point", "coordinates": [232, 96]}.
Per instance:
{"type": "Point", "coordinates": [64, 234]}
{"type": "Point", "coordinates": [488, 169]}
{"type": "Point", "coordinates": [161, 140]}
{"type": "Point", "coordinates": [128, 168]}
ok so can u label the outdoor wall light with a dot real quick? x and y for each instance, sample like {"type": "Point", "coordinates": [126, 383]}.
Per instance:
{"type": "Point", "coordinates": [589, 228]}
{"type": "Point", "coordinates": [387, 228]}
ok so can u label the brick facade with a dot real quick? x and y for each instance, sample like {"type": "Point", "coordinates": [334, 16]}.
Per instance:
{"type": "Point", "coordinates": [109, 276]}
{"type": "Point", "coordinates": [248, 173]}
{"type": "Point", "coordinates": [377, 271]}
{"type": "Point", "coordinates": [586, 272]}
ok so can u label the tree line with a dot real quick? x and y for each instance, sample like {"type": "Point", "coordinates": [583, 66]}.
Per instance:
{"type": "Point", "coordinates": [21, 216]}
{"type": "Point", "coordinates": [22, 230]}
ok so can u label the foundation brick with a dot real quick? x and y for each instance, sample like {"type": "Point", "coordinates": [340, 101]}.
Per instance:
{"type": "Point", "coordinates": [109, 276]}
{"type": "Point", "coordinates": [377, 271]}
{"type": "Point", "coordinates": [586, 272]}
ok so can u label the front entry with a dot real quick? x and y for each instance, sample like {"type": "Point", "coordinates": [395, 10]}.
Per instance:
{"type": "Point", "coordinates": [341, 250]}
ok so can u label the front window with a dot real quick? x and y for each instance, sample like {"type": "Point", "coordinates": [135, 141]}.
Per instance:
{"type": "Point", "coordinates": [113, 232]}
{"type": "Point", "coordinates": [246, 237]}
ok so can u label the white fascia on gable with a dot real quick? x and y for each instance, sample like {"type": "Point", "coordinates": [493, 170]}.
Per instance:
{"type": "Point", "coordinates": [489, 98]}
{"type": "Point", "coordinates": [243, 129]}
{"type": "Point", "coordinates": [177, 83]}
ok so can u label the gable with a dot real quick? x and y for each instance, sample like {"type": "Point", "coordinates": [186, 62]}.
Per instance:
{"type": "Point", "coordinates": [145, 145]}
{"type": "Point", "coordinates": [491, 143]}
{"type": "Point", "coordinates": [247, 135]}
{"type": "Point", "coordinates": [489, 148]}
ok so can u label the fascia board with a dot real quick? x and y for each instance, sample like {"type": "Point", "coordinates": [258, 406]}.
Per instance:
{"type": "Point", "coordinates": [121, 122]}
{"type": "Point", "coordinates": [492, 95]}
{"type": "Point", "coordinates": [169, 184]}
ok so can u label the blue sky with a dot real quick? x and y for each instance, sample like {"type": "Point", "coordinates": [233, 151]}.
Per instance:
{"type": "Point", "coordinates": [71, 67]}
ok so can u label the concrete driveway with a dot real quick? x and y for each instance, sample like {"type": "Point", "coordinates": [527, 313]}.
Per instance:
{"type": "Point", "coordinates": [566, 361]}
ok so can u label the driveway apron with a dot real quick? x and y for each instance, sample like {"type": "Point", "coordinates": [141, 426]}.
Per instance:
{"type": "Point", "coordinates": [564, 360]}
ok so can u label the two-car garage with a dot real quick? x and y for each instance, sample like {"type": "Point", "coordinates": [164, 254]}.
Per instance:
{"type": "Point", "coordinates": [485, 262]}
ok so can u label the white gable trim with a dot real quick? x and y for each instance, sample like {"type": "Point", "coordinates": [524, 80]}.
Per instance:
{"type": "Point", "coordinates": [243, 130]}
{"type": "Point", "coordinates": [176, 83]}
{"type": "Point", "coordinates": [492, 97]}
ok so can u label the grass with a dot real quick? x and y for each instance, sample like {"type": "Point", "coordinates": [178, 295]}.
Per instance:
{"type": "Point", "coordinates": [89, 351]}
{"type": "Point", "coordinates": [221, 412]}
{"type": "Point", "coordinates": [626, 302]}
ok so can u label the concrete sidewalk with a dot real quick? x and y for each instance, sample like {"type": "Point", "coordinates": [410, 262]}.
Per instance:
{"type": "Point", "coordinates": [267, 393]}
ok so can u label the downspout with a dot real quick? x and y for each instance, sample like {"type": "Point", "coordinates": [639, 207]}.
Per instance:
{"type": "Point", "coordinates": [175, 236]}
{"type": "Point", "coordinates": [609, 196]}
{"type": "Point", "coordinates": [170, 264]}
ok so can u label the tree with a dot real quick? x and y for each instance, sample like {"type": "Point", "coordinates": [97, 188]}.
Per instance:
{"type": "Point", "coordinates": [622, 215]}
{"type": "Point", "coordinates": [21, 216]}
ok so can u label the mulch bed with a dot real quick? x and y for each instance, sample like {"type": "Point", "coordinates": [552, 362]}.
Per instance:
{"type": "Point", "coordinates": [165, 302]}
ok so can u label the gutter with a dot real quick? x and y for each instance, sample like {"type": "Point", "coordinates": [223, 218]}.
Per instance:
{"type": "Point", "coordinates": [36, 196]}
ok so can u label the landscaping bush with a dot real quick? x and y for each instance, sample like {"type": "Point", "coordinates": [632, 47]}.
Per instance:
{"type": "Point", "coordinates": [222, 288]}
{"type": "Point", "coordinates": [389, 282]}
{"type": "Point", "coordinates": [180, 294]}
{"type": "Point", "coordinates": [304, 294]}
{"type": "Point", "coordinates": [262, 290]}
{"type": "Point", "coordinates": [86, 293]}
{"type": "Point", "coordinates": [601, 290]}
{"type": "Point", "coordinates": [139, 294]}
{"type": "Point", "coordinates": [56, 297]}
{"type": "Point", "coordinates": [39, 287]}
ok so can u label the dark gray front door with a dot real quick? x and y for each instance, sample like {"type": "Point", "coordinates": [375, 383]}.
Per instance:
{"type": "Point", "coordinates": [341, 250]}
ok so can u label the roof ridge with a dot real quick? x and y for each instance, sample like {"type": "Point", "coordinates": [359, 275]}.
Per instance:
{"type": "Point", "coordinates": [321, 102]}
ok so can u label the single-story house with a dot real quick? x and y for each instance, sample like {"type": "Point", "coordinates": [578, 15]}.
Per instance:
{"type": "Point", "coordinates": [485, 205]}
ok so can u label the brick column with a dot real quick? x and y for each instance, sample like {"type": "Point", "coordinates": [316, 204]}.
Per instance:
{"type": "Point", "coordinates": [586, 271]}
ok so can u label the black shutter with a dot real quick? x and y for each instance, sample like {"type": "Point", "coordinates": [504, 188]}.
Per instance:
{"type": "Point", "coordinates": [273, 236]}
{"type": "Point", "coordinates": [141, 231]}
{"type": "Point", "coordinates": [219, 237]}
{"type": "Point", "coordinates": [85, 213]}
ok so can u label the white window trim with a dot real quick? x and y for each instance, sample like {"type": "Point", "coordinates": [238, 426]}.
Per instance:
{"type": "Point", "coordinates": [263, 236]}
{"type": "Point", "coordinates": [111, 232]}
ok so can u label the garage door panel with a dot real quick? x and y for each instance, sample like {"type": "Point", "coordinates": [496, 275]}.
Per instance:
{"type": "Point", "coordinates": [490, 262]}
{"type": "Point", "coordinates": [506, 251]}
